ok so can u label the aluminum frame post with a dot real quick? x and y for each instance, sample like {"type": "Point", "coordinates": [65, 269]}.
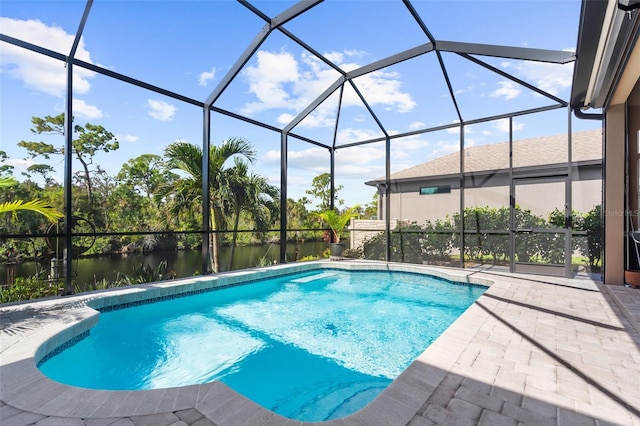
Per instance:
{"type": "Point", "coordinates": [332, 184]}
{"type": "Point", "coordinates": [283, 196]}
{"type": "Point", "coordinates": [512, 204]}
{"type": "Point", "coordinates": [206, 187]}
{"type": "Point", "coordinates": [462, 195]}
{"type": "Point", "coordinates": [68, 177]}
{"type": "Point", "coordinates": [387, 224]}
{"type": "Point", "coordinates": [568, 228]}
{"type": "Point", "coordinates": [68, 156]}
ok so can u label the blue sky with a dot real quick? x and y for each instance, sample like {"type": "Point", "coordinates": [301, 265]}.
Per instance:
{"type": "Point", "coordinates": [188, 47]}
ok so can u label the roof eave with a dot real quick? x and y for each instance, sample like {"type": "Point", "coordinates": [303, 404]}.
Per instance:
{"type": "Point", "coordinates": [523, 169]}
{"type": "Point", "coordinates": [601, 54]}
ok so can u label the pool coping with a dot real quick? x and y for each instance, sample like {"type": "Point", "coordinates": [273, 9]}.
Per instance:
{"type": "Point", "coordinates": [26, 388]}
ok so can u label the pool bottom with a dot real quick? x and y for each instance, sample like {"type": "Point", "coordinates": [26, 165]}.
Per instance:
{"type": "Point", "coordinates": [327, 391]}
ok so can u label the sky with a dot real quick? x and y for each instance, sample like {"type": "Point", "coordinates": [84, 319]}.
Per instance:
{"type": "Point", "coordinates": [188, 47]}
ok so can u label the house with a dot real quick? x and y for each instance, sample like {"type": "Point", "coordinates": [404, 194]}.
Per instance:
{"type": "Point", "coordinates": [432, 190]}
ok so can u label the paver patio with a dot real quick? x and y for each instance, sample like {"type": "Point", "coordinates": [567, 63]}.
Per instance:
{"type": "Point", "coordinates": [532, 350]}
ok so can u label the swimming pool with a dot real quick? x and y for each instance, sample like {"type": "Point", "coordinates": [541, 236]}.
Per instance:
{"type": "Point", "coordinates": [311, 346]}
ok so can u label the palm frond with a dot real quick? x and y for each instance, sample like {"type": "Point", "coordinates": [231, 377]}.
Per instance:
{"type": "Point", "coordinates": [6, 181]}
{"type": "Point", "coordinates": [37, 206]}
{"type": "Point", "coordinates": [230, 148]}
{"type": "Point", "coordinates": [337, 221]}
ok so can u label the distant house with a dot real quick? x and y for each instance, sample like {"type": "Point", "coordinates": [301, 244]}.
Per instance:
{"type": "Point", "coordinates": [431, 190]}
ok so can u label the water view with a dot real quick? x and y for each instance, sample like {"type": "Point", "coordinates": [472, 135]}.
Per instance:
{"type": "Point", "coordinates": [182, 263]}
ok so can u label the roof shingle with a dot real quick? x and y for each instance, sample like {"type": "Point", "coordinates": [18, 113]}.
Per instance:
{"type": "Point", "coordinates": [546, 150]}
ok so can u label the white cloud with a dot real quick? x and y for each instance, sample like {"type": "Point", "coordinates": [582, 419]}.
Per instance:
{"type": "Point", "coordinates": [507, 89]}
{"type": "Point", "coordinates": [353, 162]}
{"type": "Point", "coordinates": [467, 89]}
{"type": "Point", "coordinates": [447, 147]}
{"type": "Point", "coordinates": [127, 138]}
{"type": "Point", "coordinates": [314, 159]}
{"type": "Point", "coordinates": [456, 130]}
{"type": "Point", "coordinates": [285, 118]}
{"type": "Point", "coordinates": [160, 110]}
{"type": "Point", "coordinates": [281, 80]}
{"type": "Point", "coordinates": [339, 57]}
{"type": "Point", "coordinates": [382, 88]}
{"type": "Point", "coordinates": [416, 125]}
{"type": "Point", "coordinates": [83, 109]}
{"type": "Point", "coordinates": [410, 143]}
{"type": "Point", "coordinates": [503, 125]}
{"type": "Point", "coordinates": [552, 78]}
{"type": "Point", "coordinates": [350, 135]}
{"type": "Point", "coordinates": [267, 80]}
{"type": "Point", "coordinates": [38, 71]}
{"type": "Point", "coordinates": [204, 77]}
{"type": "Point", "coordinates": [320, 117]}
{"type": "Point", "coordinates": [468, 143]}
{"type": "Point", "coordinates": [19, 165]}
{"type": "Point", "coordinates": [349, 161]}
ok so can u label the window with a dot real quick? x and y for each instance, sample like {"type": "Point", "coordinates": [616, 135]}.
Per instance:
{"type": "Point", "coordinates": [428, 190]}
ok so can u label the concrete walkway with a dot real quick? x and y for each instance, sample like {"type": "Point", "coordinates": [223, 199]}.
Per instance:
{"type": "Point", "coordinates": [531, 351]}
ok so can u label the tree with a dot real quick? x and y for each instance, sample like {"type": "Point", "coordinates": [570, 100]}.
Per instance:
{"type": "Point", "coordinates": [144, 173]}
{"type": "Point", "coordinates": [253, 195]}
{"type": "Point", "coordinates": [5, 168]}
{"type": "Point", "coordinates": [91, 140]}
{"type": "Point", "coordinates": [43, 170]}
{"type": "Point", "coordinates": [321, 190]}
{"type": "Point", "coordinates": [298, 215]}
{"type": "Point", "coordinates": [186, 191]}
{"type": "Point", "coordinates": [37, 206]}
{"type": "Point", "coordinates": [593, 225]}
{"type": "Point", "coordinates": [138, 194]}
{"type": "Point", "coordinates": [370, 209]}
{"type": "Point", "coordinates": [528, 245]}
{"type": "Point", "coordinates": [437, 241]}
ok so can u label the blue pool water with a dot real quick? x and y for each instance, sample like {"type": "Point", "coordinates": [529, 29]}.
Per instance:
{"type": "Point", "coordinates": [311, 346]}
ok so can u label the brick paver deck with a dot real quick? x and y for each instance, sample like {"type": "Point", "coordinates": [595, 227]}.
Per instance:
{"type": "Point", "coordinates": [531, 351]}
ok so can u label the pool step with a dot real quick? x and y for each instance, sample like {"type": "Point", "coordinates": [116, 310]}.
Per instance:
{"type": "Point", "coordinates": [314, 277]}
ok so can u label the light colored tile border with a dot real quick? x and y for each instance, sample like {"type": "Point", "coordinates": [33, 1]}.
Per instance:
{"type": "Point", "coordinates": [25, 388]}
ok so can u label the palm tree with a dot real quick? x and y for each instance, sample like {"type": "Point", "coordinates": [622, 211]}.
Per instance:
{"type": "Point", "coordinates": [337, 221]}
{"type": "Point", "coordinates": [253, 195]}
{"type": "Point", "coordinates": [187, 191]}
{"type": "Point", "coordinates": [36, 205]}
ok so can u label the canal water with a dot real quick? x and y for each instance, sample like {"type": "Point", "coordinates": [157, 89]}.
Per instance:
{"type": "Point", "coordinates": [182, 263]}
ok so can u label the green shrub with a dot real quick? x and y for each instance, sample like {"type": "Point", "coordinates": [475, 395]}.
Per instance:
{"type": "Point", "coordinates": [27, 288]}
{"type": "Point", "coordinates": [356, 253]}
{"type": "Point", "coordinates": [144, 273]}
{"type": "Point", "coordinates": [308, 258]}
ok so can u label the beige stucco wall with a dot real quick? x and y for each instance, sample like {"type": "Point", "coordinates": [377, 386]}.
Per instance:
{"type": "Point", "coordinates": [614, 203]}
{"type": "Point", "coordinates": [585, 195]}
{"type": "Point", "coordinates": [622, 122]}
{"type": "Point", "coordinates": [413, 207]}
{"type": "Point", "coordinates": [541, 199]}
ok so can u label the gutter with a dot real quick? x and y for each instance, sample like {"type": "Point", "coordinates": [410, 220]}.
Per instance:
{"type": "Point", "coordinates": [584, 116]}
